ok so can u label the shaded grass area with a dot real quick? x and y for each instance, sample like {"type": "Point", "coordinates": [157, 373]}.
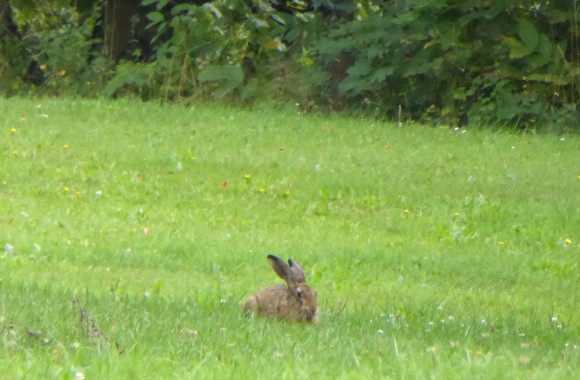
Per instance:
{"type": "Point", "coordinates": [436, 253]}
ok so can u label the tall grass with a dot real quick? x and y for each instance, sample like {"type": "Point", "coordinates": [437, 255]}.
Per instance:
{"type": "Point", "coordinates": [436, 253]}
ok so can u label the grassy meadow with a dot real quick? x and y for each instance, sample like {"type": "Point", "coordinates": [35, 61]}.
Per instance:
{"type": "Point", "coordinates": [131, 233]}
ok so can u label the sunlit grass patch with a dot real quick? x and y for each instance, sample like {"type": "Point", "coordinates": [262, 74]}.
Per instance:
{"type": "Point", "coordinates": [435, 253]}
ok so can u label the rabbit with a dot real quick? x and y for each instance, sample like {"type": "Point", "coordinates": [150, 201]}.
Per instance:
{"type": "Point", "coordinates": [294, 301]}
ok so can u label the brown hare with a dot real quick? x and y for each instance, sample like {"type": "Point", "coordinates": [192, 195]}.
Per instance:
{"type": "Point", "coordinates": [294, 301]}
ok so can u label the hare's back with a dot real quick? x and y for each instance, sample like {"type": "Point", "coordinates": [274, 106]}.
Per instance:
{"type": "Point", "coordinates": [276, 301]}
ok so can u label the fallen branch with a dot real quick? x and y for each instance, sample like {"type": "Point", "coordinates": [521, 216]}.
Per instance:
{"type": "Point", "coordinates": [88, 324]}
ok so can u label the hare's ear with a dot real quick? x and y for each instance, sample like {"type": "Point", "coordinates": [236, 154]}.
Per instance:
{"type": "Point", "coordinates": [281, 269]}
{"type": "Point", "coordinates": [296, 272]}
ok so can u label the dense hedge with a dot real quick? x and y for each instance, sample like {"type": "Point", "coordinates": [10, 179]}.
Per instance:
{"type": "Point", "coordinates": [515, 63]}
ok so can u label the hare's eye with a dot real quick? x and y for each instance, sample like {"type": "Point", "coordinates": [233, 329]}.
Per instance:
{"type": "Point", "coordinates": [298, 294]}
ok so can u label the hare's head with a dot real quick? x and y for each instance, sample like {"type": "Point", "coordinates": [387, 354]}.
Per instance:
{"type": "Point", "coordinates": [303, 297]}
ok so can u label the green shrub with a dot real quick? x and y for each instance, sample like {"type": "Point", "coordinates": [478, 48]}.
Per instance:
{"type": "Point", "coordinates": [434, 61]}
{"type": "Point", "coordinates": [446, 61]}
{"type": "Point", "coordinates": [218, 49]}
{"type": "Point", "coordinates": [59, 39]}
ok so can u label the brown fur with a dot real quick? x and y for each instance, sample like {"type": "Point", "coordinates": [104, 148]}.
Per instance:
{"type": "Point", "coordinates": [294, 301]}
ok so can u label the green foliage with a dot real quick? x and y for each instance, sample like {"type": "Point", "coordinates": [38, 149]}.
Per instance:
{"type": "Point", "coordinates": [131, 79]}
{"type": "Point", "coordinates": [436, 61]}
{"type": "Point", "coordinates": [59, 39]}
{"type": "Point", "coordinates": [229, 78]}
{"type": "Point", "coordinates": [13, 66]}
{"type": "Point", "coordinates": [443, 60]}
{"type": "Point", "coordinates": [216, 48]}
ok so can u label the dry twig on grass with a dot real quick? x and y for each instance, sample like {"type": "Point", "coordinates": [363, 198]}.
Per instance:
{"type": "Point", "coordinates": [88, 324]}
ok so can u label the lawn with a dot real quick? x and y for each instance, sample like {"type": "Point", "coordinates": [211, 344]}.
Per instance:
{"type": "Point", "coordinates": [131, 233]}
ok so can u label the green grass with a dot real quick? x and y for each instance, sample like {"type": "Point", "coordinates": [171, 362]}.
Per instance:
{"type": "Point", "coordinates": [435, 253]}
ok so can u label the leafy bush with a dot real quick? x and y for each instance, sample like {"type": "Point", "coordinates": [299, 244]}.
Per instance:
{"type": "Point", "coordinates": [60, 39]}
{"type": "Point", "coordinates": [448, 61]}
{"type": "Point", "coordinates": [435, 61]}
{"type": "Point", "coordinates": [220, 48]}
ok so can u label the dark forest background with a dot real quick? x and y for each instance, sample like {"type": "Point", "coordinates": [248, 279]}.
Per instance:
{"type": "Point", "coordinates": [500, 62]}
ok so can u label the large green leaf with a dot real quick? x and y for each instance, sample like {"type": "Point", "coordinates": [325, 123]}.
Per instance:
{"type": "Point", "coordinates": [537, 60]}
{"type": "Point", "coordinates": [224, 89]}
{"type": "Point", "coordinates": [517, 49]}
{"type": "Point", "coordinates": [459, 93]}
{"type": "Point", "coordinates": [545, 46]}
{"type": "Point", "coordinates": [528, 34]}
{"type": "Point", "coordinates": [233, 73]}
{"type": "Point", "coordinates": [361, 68]}
{"type": "Point", "coordinates": [155, 17]}
{"type": "Point", "coordinates": [381, 74]}
{"type": "Point", "coordinates": [559, 16]}
{"type": "Point", "coordinates": [229, 78]}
